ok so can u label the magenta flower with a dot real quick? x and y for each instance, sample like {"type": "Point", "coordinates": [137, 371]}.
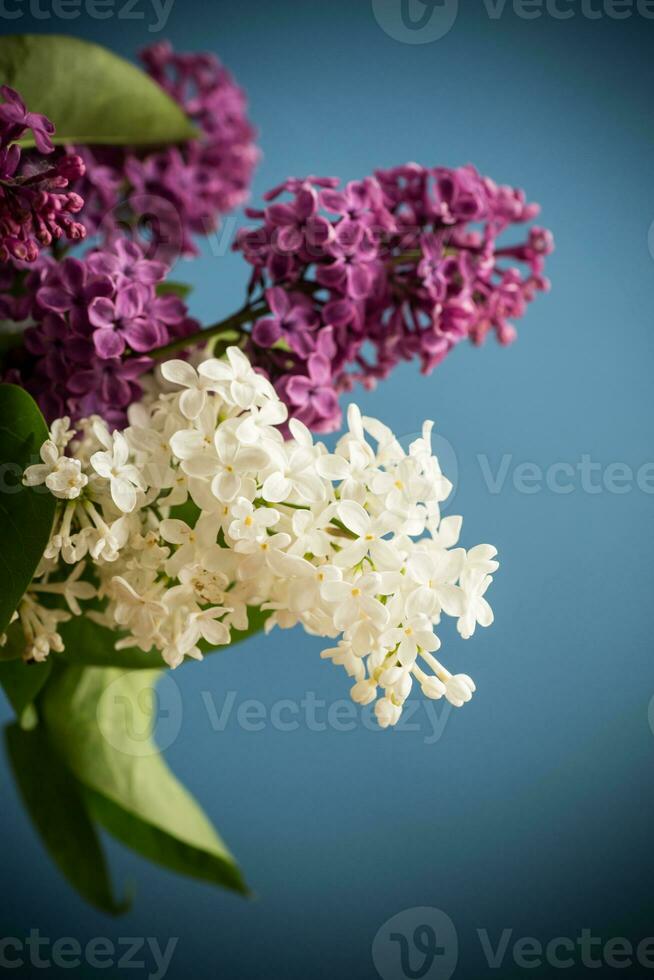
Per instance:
{"type": "Point", "coordinates": [183, 191]}
{"type": "Point", "coordinates": [107, 387]}
{"type": "Point", "coordinates": [90, 314]}
{"type": "Point", "coordinates": [312, 396]}
{"type": "Point", "coordinates": [120, 323]}
{"type": "Point", "coordinates": [299, 227]}
{"type": "Point", "coordinates": [353, 269]}
{"type": "Point", "coordinates": [69, 287]}
{"type": "Point", "coordinates": [57, 345]}
{"type": "Point", "coordinates": [294, 318]}
{"type": "Point", "coordinates": [394, 271]}
{"type": "Point", "coordinates": [36, 206]}
{"type": "Point", "coordinates": [435, 268]}
{"type": "Point", "coordinates": [15, 119]}
{"type": "Point", "coordinates": [125, 265]}
{"type": "Point", "coordinates": [461, 195]}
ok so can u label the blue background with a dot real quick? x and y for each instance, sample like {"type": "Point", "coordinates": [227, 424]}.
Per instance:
{"type": "Point", "coordinates": [533, 811]}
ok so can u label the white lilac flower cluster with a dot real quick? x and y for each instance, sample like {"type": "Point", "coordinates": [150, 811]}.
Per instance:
{"type": "Point", "coordinates": [350, 544]}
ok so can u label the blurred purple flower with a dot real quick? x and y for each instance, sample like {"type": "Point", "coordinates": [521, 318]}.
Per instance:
{"type": "Point", "coordinates": [177, 192]}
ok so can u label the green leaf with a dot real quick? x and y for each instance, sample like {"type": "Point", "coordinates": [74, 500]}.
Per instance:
{"type": "Point", "coordinates": [187, 512]}
{"type": "Point", "coordinates": [87, 643]}
{"type": "Point", "coordinates": [101, 722]}
{"type": "Point", "coordinates": [14, 647]}
{"type": "Point", "coordinates": [26, 513]}
{"type": "Point", "coordinates": [55, 802]}
{"type": "Point", "coordinates": [89, 93]}
{"type": "Point", "coordinates": [170, 288]}
{"type": "Point", "coordinates": [11, 338]}
{"type": "Point", "coordinates": [22, 682]}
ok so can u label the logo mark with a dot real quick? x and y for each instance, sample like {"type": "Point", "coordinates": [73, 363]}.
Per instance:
{"type": "Point", "coordinates": [138, 719]}
{"type": "Point", "coordinates": [416, 21]}
{"type": "Point", "coordinates": [417, 944]}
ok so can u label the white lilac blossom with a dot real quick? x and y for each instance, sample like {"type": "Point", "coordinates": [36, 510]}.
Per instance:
{"type": "Point", "coordinates": [350, 544]}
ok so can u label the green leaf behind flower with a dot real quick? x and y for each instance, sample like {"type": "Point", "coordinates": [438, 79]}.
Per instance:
{"type": "Point", "coordinates": [87, 643]}
{"type": "Point", "coordinates": [55, 802]}
{"type": "Point", "coordinates": [14, 645]}
{"type": "Point", "coordinates": [22, 682]}
{"type": "Point", "coordinates": [171, 288]}
{"type": "Point", "coordinates": [89, 93]}
{"type": "Point", "coordinates": [26, 513]}
{"type": "Point", "coordinates": [101, 722]}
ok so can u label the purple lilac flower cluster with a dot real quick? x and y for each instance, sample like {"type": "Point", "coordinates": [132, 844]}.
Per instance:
{"type": "Point", "coordinates": [405, 264]}
{"type": "Point", "coordinates": [36, 204]}
{"type": "Point", "coordinates": [86, 313]}
{"type": "Point", "coordinates": [180, 191]}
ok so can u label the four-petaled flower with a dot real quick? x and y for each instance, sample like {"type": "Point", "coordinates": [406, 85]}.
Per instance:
{"type": "Point", "coordinates": [112, 464]}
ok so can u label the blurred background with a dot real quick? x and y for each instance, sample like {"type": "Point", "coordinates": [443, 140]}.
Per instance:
{"type": "Point", "coordinates": [528, 813]}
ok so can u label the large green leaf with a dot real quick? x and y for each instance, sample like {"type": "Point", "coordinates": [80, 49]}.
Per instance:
{"type": "Point", "coordinates": [26, 513]}
{"type": "Point", "coordinates": [101, 722]}
{"type": "Point", "coordinates": [89, 93]}
{"type": "Point", "coordinates": [87, 643]}
{"type": "Point", "coordinates": [55, 802]}
{"type": "Point", "coordinates": [22, 682]}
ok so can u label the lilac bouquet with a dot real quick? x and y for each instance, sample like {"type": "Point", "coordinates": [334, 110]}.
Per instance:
{"type": "Point", "coordinates": [166, 493]}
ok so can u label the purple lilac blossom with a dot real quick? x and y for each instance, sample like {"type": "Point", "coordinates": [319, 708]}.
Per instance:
{"type": "Point", "coordinates": [178, 192]}
{"type": "Point", "coordinates": [404, 264]}
{"type": "Point", "coordinates": [94, 320]}
{"type": "Point", "coordinates": [36, 204]}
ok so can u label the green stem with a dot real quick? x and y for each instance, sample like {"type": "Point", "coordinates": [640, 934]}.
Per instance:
{"type": "Point", "coordinates": [251, 311]}
{"type": "Point", "coordinates": [247, 314]}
